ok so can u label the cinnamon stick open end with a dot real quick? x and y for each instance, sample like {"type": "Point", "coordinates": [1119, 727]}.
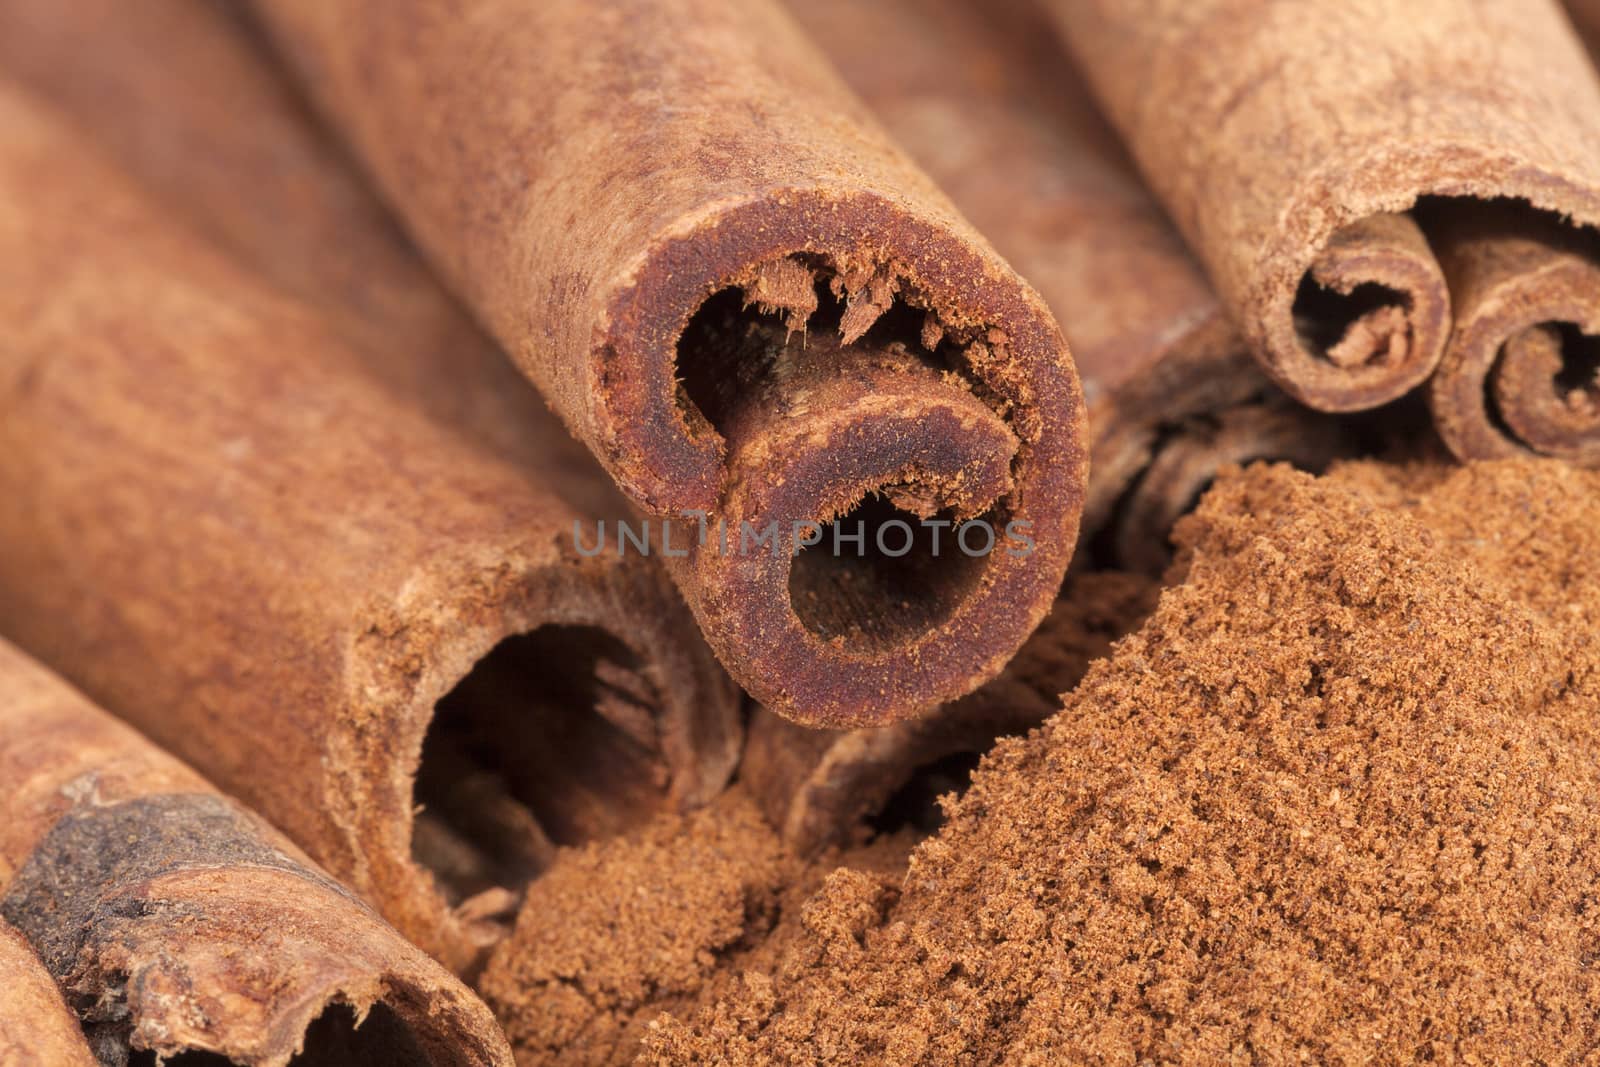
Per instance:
{"type": "Point", "coordinates": [1369, 321]}
{"type": "Point", "coordinates": [872, 554]}
{"type": "Point", "coordinates": [1520, 374]}
{"type": "Point", "coordinates": [543, 709]}
{"type": "Point", "coordinates": [835, 360]}
{"type": "Point", "coordinates": [1546, 388]}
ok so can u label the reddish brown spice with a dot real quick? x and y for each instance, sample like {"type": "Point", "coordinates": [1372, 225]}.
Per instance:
{"type": "Point", "coordinates": [1336, 801]}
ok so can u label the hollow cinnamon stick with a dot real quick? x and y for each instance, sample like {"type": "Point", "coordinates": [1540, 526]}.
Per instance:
{"type": "Point", "coordinates": [1289, 141]}
{"type": "Point", "coordinates": [227, 533]}
{"type": "Point", "coordinates": [983, 100]}
{"type": "Point", "coordinates": [1519, 376]}
{"type": "Point", "coordinates": [175, 920]}
{"type": "Point", "coordinates": [661, 210]}
{"type": "Point", "coordinates": [36, 1029]}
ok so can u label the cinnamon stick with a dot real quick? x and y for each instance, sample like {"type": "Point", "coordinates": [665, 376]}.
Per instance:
{"type": "Point", "coordinates": [36, 1029]}
{"type": "Point", "coordinates": [1519, 376]}
{"type": "Point", "coordinates": [176, 920]}
{"type": "Point", "coordinates": [226, 532]}
{"type": "Point", "coordinates": [680, 225]}
{"type": "Point", "coordinates": [280, 194]}
{"type": "Point", "coordinates": [982, 99]}
{"type": "Point", "coordinates": [1290, 142]}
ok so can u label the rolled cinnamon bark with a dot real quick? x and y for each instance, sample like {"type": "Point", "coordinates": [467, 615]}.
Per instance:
{"type": "Point", "coordinates": [1520, 374]}
{"type": "Point", "coordinates": [1290, 141]}
{"type": "Point", "coordinates": [36, 1029]}
{"type": "Point", "coordinates": [981, 98]}
{"type": "Point", "coordinates": [227, 533]}
{"type": "Point", "coordinates": [679, 224]}
{"type": "Point", "coordinates": [176, 920]}
{"type": "Point", "coordinates": [279, 193]}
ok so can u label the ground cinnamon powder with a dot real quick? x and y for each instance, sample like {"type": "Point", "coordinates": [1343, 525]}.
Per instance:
{"type": "Point", "coordinates": [674, 915]}
{"type": "Point", "coordinates": [1337, 801]}
{"type": "Point", "coordinates": [620, 930]}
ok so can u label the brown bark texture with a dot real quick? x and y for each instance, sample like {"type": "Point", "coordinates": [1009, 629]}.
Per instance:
{"type": "Point", "coordinates": [1290, 142]}
{"type": "Point", "coordinates": [228, 533]}
{"type": "Point", "coordinates": [745, 299]}
{"type": "Point", "coordinates": [176, 920]}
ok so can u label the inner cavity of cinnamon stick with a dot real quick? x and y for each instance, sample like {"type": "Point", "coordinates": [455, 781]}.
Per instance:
{"type": "Point", "coordinates": [550, 740]}
{"type": "Point", "coordinates": [1374, 307]}
{"type": "Point", "coordinates": [177, 923]}
{"type": "Point", "coordinates": [876, 576]}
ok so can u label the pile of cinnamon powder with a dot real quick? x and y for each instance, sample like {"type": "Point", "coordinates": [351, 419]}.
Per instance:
{"type": "Point", "coordinates": [1337, 801]}
{"type": "Point", "coordinates": [676, 913]}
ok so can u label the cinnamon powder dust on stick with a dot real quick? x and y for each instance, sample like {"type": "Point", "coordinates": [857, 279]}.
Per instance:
{"type": "Point", "coordinates": [1290, 142]}
{"type": "Point", "coordinates": [982, 98]}
{"type": "Point", "coordinates": [229, 535]}
{"type": "Point", "coordinates": [175, 920]}
{"type": "Point", "coordinates": [748, 303]}
{"type": "Point", "coordinates": [36, 1028]}
{"type": "Point", "coordinates": [1337, 801]}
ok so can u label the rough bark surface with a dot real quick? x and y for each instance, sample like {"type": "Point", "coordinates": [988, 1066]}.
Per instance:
{"type": "Point", "coordinates": [1290, 141]}
{"type": "Point", "coordinates": [175, 920]}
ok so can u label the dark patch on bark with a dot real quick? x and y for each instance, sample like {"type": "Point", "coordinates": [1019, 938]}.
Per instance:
{"type": "Point", "coordinates": [82, 873]}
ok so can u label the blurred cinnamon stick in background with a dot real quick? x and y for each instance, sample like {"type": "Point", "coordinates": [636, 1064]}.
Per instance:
{"type": "Point", "coordinates": [1291, 141]}
{"type": "Point", "coordinates": [36, 1028]}
{"type": "Point", "coordinates": [747, 302]}
{"type": "Point", "coordinates": [228, 533]}
{"type": "Point", "coordinates": [175, 920]}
